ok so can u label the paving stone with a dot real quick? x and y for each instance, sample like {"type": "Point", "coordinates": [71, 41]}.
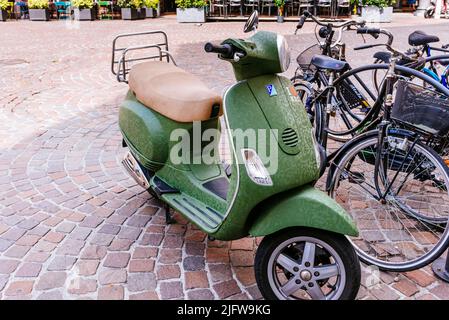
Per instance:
{"type": "Point", "coordinates": [109, 229]}
{"type": "Point", "coordinates": [172, 241]}
{"type": "Point", "coordinates": [144, 252]}
{"type": "Point", "coordinates": [420, 277]}
{"type": "Point", "coordinates": [87, 267]}
{"type": "Point", "coordinates": [171, 290]}
{"type": "Point", "coordinates": [66, 227]}
{"type": "Point", "coordinates": [226, 289]}
{"type": "Point", "coordinates": [28, 224]}
{"type": "Point", "coordinates": [193, 263]}
{"type": "Point", "coordinates": [384, 293]}
{"type": "Point", "coordinates": [196, 279]}
{"type": "Point", "coordinates": [112, 276]}
{"type": "Point", "coordinates": [111, 293]}
{"type": "Point", "coordinates": [37, 257]}
{"type": "Point", "coordinates": [28, 240]}
{"type": "Point", "coordinates": [19, 288]}
{"type": "Point", "coordinates": [142, 265]}
{"type": "Point", "coordinates": [117, 260]}
{"type": "Point", "coordinates": [168, 272]}
{"type": "Point", "coordinates": [195, 248]}
{"type": "Point", "coordinates": [245, 275]}
{"type": "Point", "coordinates": [102, 239]}
{"type": "Point", "coordinates": [151, 239]}
{"type": "Point", "coordinates": [8, 266]}
{"type": "Point", "coordinates": [241, 258]}
{"type": "Point", "coordinates": [129, 233]}
{"type": "Point", "coordinates": [138, 221]}
{"type": "Point", "coordinates": [200, 294]}
{"type": "Point", "coordinates": [220, 272]}
{"type": "Point", "coordinates": [60, 263]}
{"type": "Point", "coordinates": [120, 245]}
{"type": "Point", "coordinates": [29, 270]}
{"type": "Point", "coordinates": [441, 291]}
{"type": "Point", "coordinates": [51, 280]}
{"type": "Point", "coordinates": [80, 233]}
{"type": "Point", "coordinates": [50, 295]}
{"type": "Point", "coordinates": [13, 234]}
{"type": "Point", "coordinates": [55, 237]}
{"type": "Point", "coordinates": [141, 281]}
{"type": "Point", "coordinates": [70, 247]}
{"type": "Point", "coordinates": [149, 295]}
{"type": "Point", "coordinates": [94, 252]}
{"type": "Point", "coordinates": [82, 286]}
{"type": "Point", "coordinates": [5, 244]}
{"type": "Point", "coordinates": [406, 287]}
{"type": "Point", "coordinates": [17, 251]}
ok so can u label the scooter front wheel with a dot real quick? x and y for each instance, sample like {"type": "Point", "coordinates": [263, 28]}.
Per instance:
{"type": "Point", "coordinates": [307, 264]}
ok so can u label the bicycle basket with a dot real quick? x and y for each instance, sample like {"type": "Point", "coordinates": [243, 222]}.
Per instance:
{"type": "Point", "coordinates": [306, 56]}
{"type": "Point", "coordinates": [421, 108]}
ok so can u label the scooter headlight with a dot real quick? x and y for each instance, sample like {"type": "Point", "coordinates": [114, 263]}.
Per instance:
{"type": "Point", "coordinates": [283, 52]}
{"type": "Point", "coordinates": [255, 168]}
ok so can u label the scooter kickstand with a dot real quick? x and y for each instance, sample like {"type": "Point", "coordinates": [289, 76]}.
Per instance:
{"type": "Point", "coordinates": [168, 217]}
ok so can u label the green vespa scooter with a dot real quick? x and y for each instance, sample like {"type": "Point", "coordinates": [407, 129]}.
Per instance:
{"type": "Point", "coordinates": [170, 122]}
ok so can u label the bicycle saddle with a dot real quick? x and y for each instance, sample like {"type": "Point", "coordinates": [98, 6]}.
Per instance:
{"type": "Point", "coordinates": [325, 62]}
{"type": "Point", "coordinates": [173, 92]}
{"type": "Point", "coordinates": [419, 38]}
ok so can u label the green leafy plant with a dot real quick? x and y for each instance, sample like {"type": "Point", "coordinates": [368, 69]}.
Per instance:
{"type": "Point", "coordinates": [4, 4]}
{"type": "Point", "coordinates": [378, 3]}
{"type": "Point", "coordinates": [280, 4]}
{"type": "Point", "coordinates": [136, 4]}
{"type": "Point", "coordinates": [184, 4]}
{"type": "Point", "coordinates": [151, 3]}
{"type": "Point", "coordinates": [83, 4]}
{"type": "Point", "coordinates": [38, 4]}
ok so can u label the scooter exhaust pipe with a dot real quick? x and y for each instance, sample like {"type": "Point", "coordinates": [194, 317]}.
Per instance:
{"type": "Point", "coordinates": [135, 171]}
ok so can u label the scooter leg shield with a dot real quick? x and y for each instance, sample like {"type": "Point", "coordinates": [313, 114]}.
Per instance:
{"type": "Point", "coordinates": [303, 207]}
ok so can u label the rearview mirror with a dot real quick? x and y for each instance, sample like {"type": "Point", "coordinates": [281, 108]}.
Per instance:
{"type": "Point", "coordinates": [252, 22]}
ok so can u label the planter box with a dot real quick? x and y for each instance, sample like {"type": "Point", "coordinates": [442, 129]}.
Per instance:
{"type": "Point", "coordinates": [192, 15]}
{"type": "Point", "coordinates": [132, 14]}
{"type": "Point", "coordinates": [376, 14]}
{"type": "Point", "coordinates": [84, 14]}
{"type": "Point", "coordinates": [39, 14]}
{"type": "Point", "coordinates": [150, 12]}
{"type": "Point", "coordinates": [3, 15]}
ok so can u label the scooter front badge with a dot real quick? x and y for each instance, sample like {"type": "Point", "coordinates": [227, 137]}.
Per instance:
{"type": "Point", "coordinates": [271, 90]}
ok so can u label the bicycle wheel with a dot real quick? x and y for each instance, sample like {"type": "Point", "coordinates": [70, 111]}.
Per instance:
{"type": "Point", "coordinates": [407, 229]}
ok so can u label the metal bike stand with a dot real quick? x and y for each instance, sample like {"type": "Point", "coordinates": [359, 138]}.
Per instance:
{"type": "Point", "coordinates": [441, 268]}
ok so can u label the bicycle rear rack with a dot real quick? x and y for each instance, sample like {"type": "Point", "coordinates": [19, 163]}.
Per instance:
{"type": "Point", "coordinates": [120, 63]}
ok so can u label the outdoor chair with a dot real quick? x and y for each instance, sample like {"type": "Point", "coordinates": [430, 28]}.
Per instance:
{"type": "Point", "coordinates": [325, 5]}
{"type": "Point", "coordinates": [221, 5]}
{"type": "Point", "coordinates": [236, 4]}
{"type": "Point", "coordinates": [289, 5]}
{"type": "Point", "coordinates": [253, 4]}
{"type": "Point", "coordinates": [305, 5]}
{"type": "Point", "coordinates": [344, 5]}
{"type": "Point", "coordinates": [63, 9]}
{"type": "Point", "coordinates": [267, 4]}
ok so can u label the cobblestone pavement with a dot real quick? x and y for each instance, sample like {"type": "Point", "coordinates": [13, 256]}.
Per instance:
{"type": "Point", "coordinates": [72, 224]}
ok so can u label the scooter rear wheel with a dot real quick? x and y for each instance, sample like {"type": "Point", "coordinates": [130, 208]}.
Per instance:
{"type": "Point", "coordinates": [307, 264]}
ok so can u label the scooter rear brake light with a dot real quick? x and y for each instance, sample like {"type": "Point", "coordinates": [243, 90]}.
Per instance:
{"type": "Point", "coordinates": [255, 168]}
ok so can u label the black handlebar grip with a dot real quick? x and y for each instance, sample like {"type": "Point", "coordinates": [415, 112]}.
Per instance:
{"type": "Point", "coordinates": [306, 14]}
{"type": "Point", "coordinates": [225, 50]}
{"type": "Point", "coordinates": [367, 46]}
{"type": "Point", "coordinates": [301, 22]}
{"type": "Point", "coordinates": [368, 30]}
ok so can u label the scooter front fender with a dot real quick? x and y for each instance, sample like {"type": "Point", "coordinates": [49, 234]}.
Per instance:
{"type": "Point", "coordinates": [302, 207]}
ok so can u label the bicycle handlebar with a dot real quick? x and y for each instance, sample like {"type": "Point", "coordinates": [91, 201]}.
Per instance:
{"type": "Point", "coordinates": [307, 14]}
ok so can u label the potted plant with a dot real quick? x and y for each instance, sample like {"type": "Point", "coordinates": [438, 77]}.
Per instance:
{"type": "Point", "coordinates": [280, 5]}
{"type": "Point", "coordinates": [4, 4]}
{"type": "Point", "coordinates": [151, 8]}
{"type": "Point", "coordinates": [38, 10]}
{"type": "Point", "coordinates": [191, 11]}
{"type": "Point", "coordinates": [377, 10]}
{"type": "Point", "coordinates": [83, 10]}
{"type": "Point", "coordinates": [131, 9]}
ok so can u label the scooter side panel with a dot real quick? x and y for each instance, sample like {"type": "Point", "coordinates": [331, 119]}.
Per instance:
{"type": "Point", "coordinates": [243, 112]}
{"type": "Point", "coordinates": [304, 207]}
{"type": "Point", "coordinates": [147, 132]}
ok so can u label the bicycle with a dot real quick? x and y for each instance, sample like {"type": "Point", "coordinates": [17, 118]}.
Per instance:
{"type": "Point", "coordinates": [394, 185]}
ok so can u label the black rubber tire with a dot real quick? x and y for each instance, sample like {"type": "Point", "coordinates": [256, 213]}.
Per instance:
{"type": "Point", "coordinates": [337, 241]}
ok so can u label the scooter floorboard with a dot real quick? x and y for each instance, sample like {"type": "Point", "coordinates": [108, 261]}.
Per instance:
{"type": "Point", "coordinates": [201, 214]}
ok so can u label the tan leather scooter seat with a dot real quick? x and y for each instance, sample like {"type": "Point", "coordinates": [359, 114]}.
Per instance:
{"type": "Point", "coordinates": [173, 92]}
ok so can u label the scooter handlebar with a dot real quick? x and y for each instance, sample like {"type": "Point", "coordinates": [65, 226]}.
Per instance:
{"type": "Point", "coordinates": [372, 31]}
{"type": "Point", "coordinates": [225, 50]}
